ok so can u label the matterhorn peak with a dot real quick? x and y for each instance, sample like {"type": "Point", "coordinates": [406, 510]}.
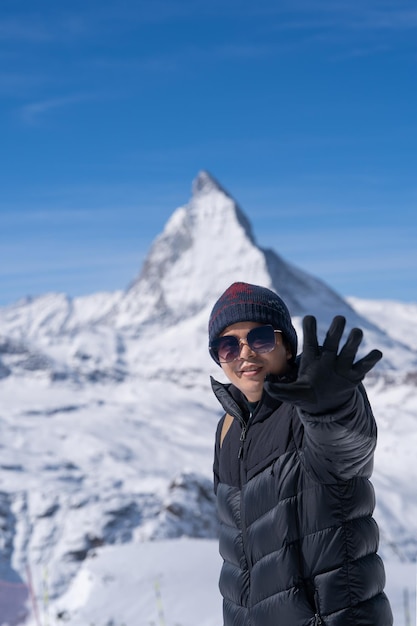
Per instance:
{"type": "Point", "coordinates": [205, 183]}
{"type": "Point", "coordinates": [206, 245]}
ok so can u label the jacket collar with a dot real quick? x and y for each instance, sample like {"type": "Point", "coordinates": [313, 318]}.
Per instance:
{"type": "Point", "coordinates": [231, 399]}
{"type": "Point", "coordinates": [234, 402]}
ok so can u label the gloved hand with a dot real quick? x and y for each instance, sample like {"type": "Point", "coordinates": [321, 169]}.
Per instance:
{"type": "Point", "coordinates": [326, 379]}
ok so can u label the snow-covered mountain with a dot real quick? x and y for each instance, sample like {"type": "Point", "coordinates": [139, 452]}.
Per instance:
{"type": "Point", "coordinates": [106, 413]}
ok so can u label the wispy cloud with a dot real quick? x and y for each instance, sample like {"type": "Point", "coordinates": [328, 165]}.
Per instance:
{"type": "Point", "coordinates": [36, 28]}
{"type": "Point", "coordinates": [25, 30]}
{"type": "Point", "coordinates": [16, 83]}
{"type": "Point", "coordinates": [96, 18]}
{"type": "Point", "coordinates": [33, 264]}
{"type": "Point", "coordinates": [371, 15]}
{"type": "Point", "coordinates": [331, 248]}
{"type": "Point", "coordinates": [389, 14]}
{"type": "Point", "coordinates": [31, 113]}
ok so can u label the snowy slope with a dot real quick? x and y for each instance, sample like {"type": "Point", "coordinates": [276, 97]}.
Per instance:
{"type": "Point", "coordinates": [173, 583]}
{"type": "Point", "coordinates": [397, 319]}
{"type": "Point", "coordinates": [107, 416]}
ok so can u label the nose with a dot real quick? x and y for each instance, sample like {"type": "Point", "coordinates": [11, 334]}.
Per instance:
{"type": "Point", "coordinates": [243, 345]}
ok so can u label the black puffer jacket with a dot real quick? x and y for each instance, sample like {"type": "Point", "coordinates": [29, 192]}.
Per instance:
{"type": "Point", "coordinates": [295, 505]}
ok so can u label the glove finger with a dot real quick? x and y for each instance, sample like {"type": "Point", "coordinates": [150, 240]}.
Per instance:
{"type": "Point", "coordinates": [310, 343]}
{"type": "Point", "coordinates": [348, 352]}
{"type": "Point", "coordinates": [363, 366]}
{"type": "Point", "coordinates": [334, 334]}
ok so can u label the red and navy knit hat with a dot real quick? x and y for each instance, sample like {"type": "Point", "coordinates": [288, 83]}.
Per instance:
{"type": "Point", "coordinates": [243, 302]}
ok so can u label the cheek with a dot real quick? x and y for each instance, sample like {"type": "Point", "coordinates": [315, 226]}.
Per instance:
{"type": "Point", "coordinates": [279, 360]}
{"type": "Point", "coordinates": [227, 370]}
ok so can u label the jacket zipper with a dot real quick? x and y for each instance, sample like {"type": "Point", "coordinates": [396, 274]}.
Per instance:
{"type": "Point", "coordinates": [243, 432]}
{"type": "Point", "coordinates": [242, 441]}
{"type": "Point", "coordinates": [317, 618]}
{"type": "Point", "coordinates": [242, 503]}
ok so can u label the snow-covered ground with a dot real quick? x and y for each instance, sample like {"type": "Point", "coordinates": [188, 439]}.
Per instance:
{"type": "Point", "coordinates": [172, 583]}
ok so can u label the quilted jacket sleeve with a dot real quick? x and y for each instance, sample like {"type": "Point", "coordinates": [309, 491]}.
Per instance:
{"type": "Point", "coordinates": [340, 445]}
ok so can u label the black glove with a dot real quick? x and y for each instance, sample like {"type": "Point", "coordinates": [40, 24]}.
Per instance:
{"type": "Point", "coordinates": [326, 379]}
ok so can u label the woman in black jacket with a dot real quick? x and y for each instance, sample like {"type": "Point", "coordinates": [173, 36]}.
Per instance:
{"type": "Point", "coordinates": [293, 458]}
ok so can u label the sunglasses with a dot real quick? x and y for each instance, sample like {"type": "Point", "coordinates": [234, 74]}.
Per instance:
{"type": "Point", "coordinates": [260, 340]}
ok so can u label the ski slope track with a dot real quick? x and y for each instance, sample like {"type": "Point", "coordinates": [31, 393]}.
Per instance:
{"type": "Point", "coordinates": [108, 419]}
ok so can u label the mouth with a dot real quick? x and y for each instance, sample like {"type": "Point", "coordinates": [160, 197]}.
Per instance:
{"type": "Point", "coordinates": [250, 371]}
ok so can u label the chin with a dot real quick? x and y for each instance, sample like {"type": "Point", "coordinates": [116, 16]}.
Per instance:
{"type": "Point", "coordinates": [253, 395]}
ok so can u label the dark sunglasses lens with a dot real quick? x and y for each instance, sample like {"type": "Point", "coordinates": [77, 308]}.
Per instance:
{"type": "Point", "coordinates": [261, 339]}
{"type": "Point", "coordinates": [227, 348]}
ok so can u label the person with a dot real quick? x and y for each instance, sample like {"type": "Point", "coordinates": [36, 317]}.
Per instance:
{"type": "Point", "coordinates": [293, 457]}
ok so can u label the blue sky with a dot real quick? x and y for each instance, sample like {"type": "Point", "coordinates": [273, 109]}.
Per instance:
{"type": "Point", "coordinates": [305, 110]}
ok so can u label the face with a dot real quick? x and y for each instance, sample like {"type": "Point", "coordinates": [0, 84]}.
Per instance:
{"type": "Point", "coordinates": [248, 372]}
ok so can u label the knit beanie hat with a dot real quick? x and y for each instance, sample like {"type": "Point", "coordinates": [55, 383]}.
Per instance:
{"type": "Point", "coordinates": [243, 302]}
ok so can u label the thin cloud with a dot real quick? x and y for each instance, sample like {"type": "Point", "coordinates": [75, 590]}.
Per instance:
{"type": "Point", "coordinates": [31, 29]}
{"type": "Point", "coordinates": [347, 16]}
{"type": "Point", "coordinates": [352, 263]}
{"type": "Point", "coordinates": [190, 56]}
{"type": "Point", "coordinates": [31, 265]}
{"type": "Point", "coordinates": [30, 113]}
{"type": "Point", "coordinates": [15, 83]}
{"type": "Point", "coordinates": [286, 15]}
{"type": "Point", "coordinates": [47, 216]}
{"type": "Point", "coordinates": [379, 19]}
